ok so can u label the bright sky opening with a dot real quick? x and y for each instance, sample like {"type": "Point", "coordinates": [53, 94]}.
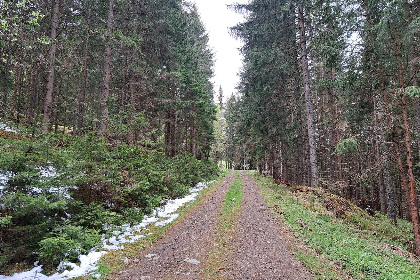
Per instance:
{"type": "Point", "coordinates": [217, 19]}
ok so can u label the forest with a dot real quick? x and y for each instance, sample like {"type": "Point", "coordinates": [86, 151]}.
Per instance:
{"type": "Point", "coordinates": [110, 110]}
{"type": "Point", "coordinates": [329, 97]}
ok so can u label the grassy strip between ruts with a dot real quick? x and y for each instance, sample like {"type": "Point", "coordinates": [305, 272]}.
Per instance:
{"type": "Point", "coordinates": [229, 214]}
{"type": "Point", "coordinates": [356, 246]}
{"type": "Point", "coordinates": [115, 261]}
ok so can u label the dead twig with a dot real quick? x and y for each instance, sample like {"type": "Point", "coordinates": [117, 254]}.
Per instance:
{"type": "Point", "coordinates": [303, 224]}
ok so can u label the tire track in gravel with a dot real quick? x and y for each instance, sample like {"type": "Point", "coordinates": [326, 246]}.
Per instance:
{"type": "Point", "coordinates": [260, 250]}
{"type": "Point", "coordinates": [181, 253]}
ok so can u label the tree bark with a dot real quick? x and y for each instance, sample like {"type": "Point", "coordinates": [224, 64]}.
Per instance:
{"type": "Point", "coordinates": [417, 105]}
{"type": "Point", "coordinates": [275, 157]}
{"type": "Point", "coordinates": [380, 138]}
{"type": "Point", "coordinates": [411, 188]}
{"type": "Point", "coordinates": [308, 100]}
{"type": "Point", "coordinates": [34, 84]}
{"type": "Point", "coordinates": [103, 98]}
{"type": "Point", "coordinates": [50, 79]}
{"type": "Point", "coordinates": [82, 93]}
{"type": "Point", "coordinates": [389, 188]}
{"type": "Point", "coordinates": [193, 144]}
{"type": "Point", "coordinates": [418, 124]}
{"type": "Point", "coordinates": [132, 133]}
{"type": "Point", "coordinates": [334, 132]}
{"type": "Point", "coordinates": [6, 86]}
{"type": "Point", "coordinates": [284, 168]}
{"type": "Point", "coordinates": [409, 157]}
{"type": "Point", "coordinates": [393, 139]}
{"type": "Point", "coordinates": [170, 127]}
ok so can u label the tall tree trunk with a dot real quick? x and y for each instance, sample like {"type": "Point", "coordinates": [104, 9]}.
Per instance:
{"type": "Point", "coordinates": [20, 90]}
{"type": "Point", "coordinates": [15, 90]}
{"type": "Point", "coordinates": [169, 133]}
{"type": "Point", "coordinates": [132, 133]}
{"type": "Point", "coordinates": [324, 160]}
{"type": "Point", "coordinates": [389, 188]}
{"type": "Point", "coordinates": [284, 161]}
{"type": "Point", "coordinates": [418, 123]}
{"type": "Point", "coordinates": [417, 106]}
{"type": "Point", "coordinates": [380, 136]}
{"type": "Point", "coordinates": [103, 98]}
{"type": "Point", "coordinates": [275, 156]}
{"type": "Point", "coordinates": [395, 144]}
{"type": "Point", "coordinates": [50, 79]}
{"type": "Point", "coordinates": [299, 168]}
{"type": "Point", "coordinates": [334, 132]}
{"type": "Point", "coordinates": [193, 144]}
{"type": "Point", "coordinates": [30, 105]}
{"type": "Point", "coordinates": [409, 157]}
{"type": "Point", "coordinates": [6, 87]}
{"type": "Point", "coordinates": [82, 93]}
{"type": "Point", "coordinates": [308, 100]}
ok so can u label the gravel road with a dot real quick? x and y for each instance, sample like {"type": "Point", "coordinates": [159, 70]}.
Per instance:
{"type": "Point", "coordinates": [182, 251]}
{"type": "Point", "coordinates": [260, 250]}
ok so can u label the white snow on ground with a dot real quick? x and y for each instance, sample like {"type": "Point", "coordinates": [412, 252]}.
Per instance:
{"type": "Point", "coordinates": [123, 234]}
{"type": "Point", "coordinates": [44, 172]}
{"type": "Point", "coordinates": [4, 127]}
{"type": "Point", "coordinates": [47, 171]}
{"type": "Point", "coordinates": [4, 177]}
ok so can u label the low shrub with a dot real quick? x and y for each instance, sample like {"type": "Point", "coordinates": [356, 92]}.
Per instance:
{"type": "Point", "coordinates": [63, 191]}
{"type": "Point", "coordinates": [66, 243]}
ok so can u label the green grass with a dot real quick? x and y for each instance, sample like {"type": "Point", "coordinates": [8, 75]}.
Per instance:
{"type": "Point", "coordinates": [229, 215]}
{"type": "Point", "coordinates": [362, 246]}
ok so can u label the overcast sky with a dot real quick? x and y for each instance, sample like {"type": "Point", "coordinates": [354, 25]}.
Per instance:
{"type": "Point", "coordinates": [218, 18]}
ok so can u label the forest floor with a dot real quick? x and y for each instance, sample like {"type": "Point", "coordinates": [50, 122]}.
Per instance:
{"type": "Point", "coordinates": [215, 241]}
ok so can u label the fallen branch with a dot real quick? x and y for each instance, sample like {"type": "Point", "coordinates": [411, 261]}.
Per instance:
{"type": "Point", "coordinates": [303, 224]}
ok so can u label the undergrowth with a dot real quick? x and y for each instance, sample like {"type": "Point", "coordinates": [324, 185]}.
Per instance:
{"type": "Point", "coordinates": [340, 236]}
{"type": "Point", "coordinates": [61, 192]}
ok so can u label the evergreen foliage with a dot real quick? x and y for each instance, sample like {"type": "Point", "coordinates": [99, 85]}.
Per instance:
{"type": "Point", "coordinates": [356, 64]}
{"type": "Point", "coordinates": [124, 87]}
{"type": "Point", "coordinates": [64, 191]}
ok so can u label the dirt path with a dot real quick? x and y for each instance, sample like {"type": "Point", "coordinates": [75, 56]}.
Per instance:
{"type": "Point", "coordinates": [182, 251]}
{"type": "Point", "coordinates": [260, 249]}
{"type": "Point", "coordinates": [259, 252]}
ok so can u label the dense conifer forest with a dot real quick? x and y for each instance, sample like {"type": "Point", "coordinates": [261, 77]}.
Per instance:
{"type": "Point", "coordinates": [112, 112]}
{"type": "Point", "coordinates": [329, 98]}
{"type": "Point", "coordinates": [107, 110]}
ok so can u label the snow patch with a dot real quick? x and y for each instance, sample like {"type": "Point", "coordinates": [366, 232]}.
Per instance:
{"type": "Point", "coordinates": [123, 234]}
{"type": "Point", "coordinates": [6, 128]}
{"type": "Point", "coordinates": [167, 221]}
{"type": "Point", "coordinates": [87, 264]}
{"type": "Point", "coordinates": [47, 171]}
{"type": "Point", "coordinates": [4, 178]}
